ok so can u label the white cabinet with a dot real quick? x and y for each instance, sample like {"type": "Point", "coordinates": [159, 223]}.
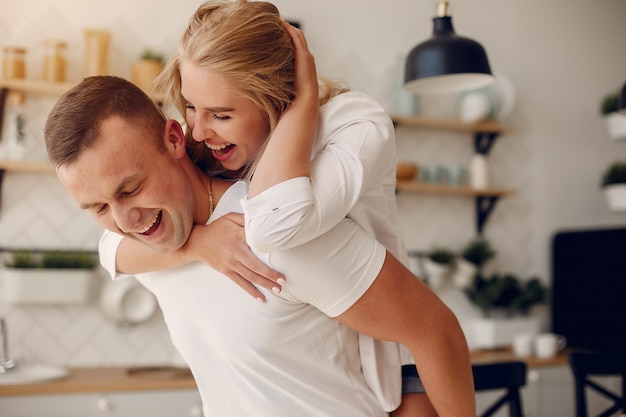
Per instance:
{"type": "Point", "coordinates": [166, 403]}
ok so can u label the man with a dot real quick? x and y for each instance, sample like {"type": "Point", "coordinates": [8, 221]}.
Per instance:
{"type": "Point", "coordinates": [296, 354]}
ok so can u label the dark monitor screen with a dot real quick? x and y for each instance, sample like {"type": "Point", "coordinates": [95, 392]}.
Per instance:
{"type": "Point", "coordinates": [589, 288]}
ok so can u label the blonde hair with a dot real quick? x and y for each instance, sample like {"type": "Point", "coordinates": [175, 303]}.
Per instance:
{"type": "Point", "coordinates": [245, 42]}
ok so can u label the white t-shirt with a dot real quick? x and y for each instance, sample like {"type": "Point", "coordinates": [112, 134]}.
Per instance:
{"type": "Point", "coordinates": [353, 174]}
{"type": "Point", "coordinates": [284, 357]}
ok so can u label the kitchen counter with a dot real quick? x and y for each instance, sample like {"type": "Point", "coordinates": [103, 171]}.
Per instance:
{"type": "Point", "coordinates": [117, 379]}
{"type": "Point", "coordinates": [108, 379]}
{"type": "Point", "coordinates": [506, 354]}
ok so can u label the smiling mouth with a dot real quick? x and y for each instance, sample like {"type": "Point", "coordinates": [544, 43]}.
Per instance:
{"type": "Point", "coordinates": [220, 149]}
{"type": "Point", "coordinates": [149, 229]}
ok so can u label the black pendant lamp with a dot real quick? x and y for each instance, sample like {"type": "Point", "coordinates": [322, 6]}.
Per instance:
{"type": "Point", "coordinates": [446, 63]}
{"type": "Point", "coordinates": [622, 100]}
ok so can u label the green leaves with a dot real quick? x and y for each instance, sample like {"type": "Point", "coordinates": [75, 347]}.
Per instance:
{"type": "Point", "coordinates": [478, 251]}
{"type": "Point", "coordinates": [442, 256]}
{"type": "Point", "coordinates": [505, 292]}
{"type": "Point", "coordinates": [53, 260]}
{"type": "Point", "coordinates": [614, 174]}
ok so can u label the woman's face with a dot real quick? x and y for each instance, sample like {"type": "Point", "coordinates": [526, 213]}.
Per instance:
{"type": "Point", "coordinates": [230, 125]}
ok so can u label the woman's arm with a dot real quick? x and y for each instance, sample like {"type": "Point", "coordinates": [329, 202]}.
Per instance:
{"type": "Point", "coordinates": [292, 200]}
{"type": "Point", "coordinates": [123, 255]}
{"type": "Point", "coordinates": [288, 150]}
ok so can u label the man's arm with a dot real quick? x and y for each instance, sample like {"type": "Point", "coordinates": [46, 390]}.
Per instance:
{"type": "Point", "coordinates": [400, 307]}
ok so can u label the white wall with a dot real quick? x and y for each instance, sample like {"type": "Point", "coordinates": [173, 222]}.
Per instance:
{"type": "Point", "coordinates": [561, 55]}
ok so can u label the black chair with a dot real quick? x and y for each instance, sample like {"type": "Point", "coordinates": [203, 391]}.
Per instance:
{"type": "Point", "coordinates": [510, 376]}
{"type": "Point", "coordinates": [587, 364]}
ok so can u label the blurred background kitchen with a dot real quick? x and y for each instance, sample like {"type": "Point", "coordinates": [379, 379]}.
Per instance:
{"type": "Point", "coordinates": [555, 60]}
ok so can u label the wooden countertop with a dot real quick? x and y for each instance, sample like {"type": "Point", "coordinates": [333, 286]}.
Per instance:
{"type": "Point", "coordinates": [108, 379]}
{"type": "Point", "coordinates": [115, 379]}
{"type": "Point", "coordinates": [503, 355]}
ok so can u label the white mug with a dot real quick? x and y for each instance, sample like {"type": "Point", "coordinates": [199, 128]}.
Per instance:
{"type": "Point", "coordinates": [523, 345]}
{"type": "Point", "coordinates": [548, 344]}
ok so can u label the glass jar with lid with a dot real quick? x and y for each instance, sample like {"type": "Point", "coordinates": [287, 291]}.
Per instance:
{"type": "Point", "coordinates": [54, 63]}
{"type": "Point", "coordinates": [13, 62]}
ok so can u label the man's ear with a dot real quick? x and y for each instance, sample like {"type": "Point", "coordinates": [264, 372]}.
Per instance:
{"type": "Point", "coordinates": [175, 137]}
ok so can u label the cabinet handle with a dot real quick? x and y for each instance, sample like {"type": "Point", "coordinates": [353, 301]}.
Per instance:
{"type": "Point", "coordinates": [196, 411]}
{"type": "Point", "coordinates": [104, 404]}
{"type": "Point", "coordinates": [533, 376]}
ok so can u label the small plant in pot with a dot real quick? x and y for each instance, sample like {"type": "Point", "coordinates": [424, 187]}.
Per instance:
{"type": "Point", "coordinates": [473, 257]}
{"type": "Point", "coordinates": [614, 185]}
{"type": "Point", "coordinates": [49, 277]}
{"type": "Point", "coordinates": [505, 302]}
{"type": "Point", "coordinates": [506, 295]}
{"type": "Point", "coordinates": [23, 259]}
{"type": "Point", "coordinates": [144, 71]}
{"type": "Point", "coordinates": [615, 122]}
{"type": "Point", "coordinates": [438, 265]}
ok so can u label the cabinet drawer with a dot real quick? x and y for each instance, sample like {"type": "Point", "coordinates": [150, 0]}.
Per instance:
{"type": "Point", "coordinates": [172, 403]}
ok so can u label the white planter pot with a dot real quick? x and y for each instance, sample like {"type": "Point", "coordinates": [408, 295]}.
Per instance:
{"type": "Point", "coordinates": [464, 274]}
{"type": "Point", "coordinates": [616, 125]}
{"type": "Point", "coordinates": [437, 275]}
{"type": "Point", "coordinates": [616, 197]}
{"type": "Point", "coordinates": [491, 333]}
{"type": "Point", "coordinates": [47, 286]}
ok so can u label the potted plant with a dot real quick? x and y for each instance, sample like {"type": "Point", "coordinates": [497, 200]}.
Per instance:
{"type": "Point", "coordinates": [505, 302]}
{"type": "Point", "coordinates": [473, 257]}
{"type": "Point", "coordinates": [614, 185]}
{"type": "Point", "coordinates": [145, 70]}
{"type": "Point", "coordinates": [615, 122]}
{"type": "Point", "coordinates": [438, 266]}
{"type": "Point", "coordinates": [50, 277]}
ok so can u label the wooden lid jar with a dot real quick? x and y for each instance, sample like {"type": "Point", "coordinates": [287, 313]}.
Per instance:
{"type": "Point", "coordinates": [54, 63]}
{"type": "Point", "coordinates": [13, 62]}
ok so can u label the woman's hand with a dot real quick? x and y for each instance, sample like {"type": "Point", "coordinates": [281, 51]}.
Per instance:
{"type": "Point", "coordinates": [287, 153]}
{"type": "Point", "coordinates": [222, 245]}
{"type": "Point", "coordinates": [307, 88]}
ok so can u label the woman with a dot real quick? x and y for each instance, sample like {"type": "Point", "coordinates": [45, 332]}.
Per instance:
{"type": "Point", "coordinates": [239, 52]}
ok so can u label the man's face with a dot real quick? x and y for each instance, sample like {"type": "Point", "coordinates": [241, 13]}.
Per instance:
{"type": "Point", "coordinates": [133, 188]}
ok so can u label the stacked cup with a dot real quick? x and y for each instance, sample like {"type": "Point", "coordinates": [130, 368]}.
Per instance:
{"type": "Point", "coordinates": [544, 345]}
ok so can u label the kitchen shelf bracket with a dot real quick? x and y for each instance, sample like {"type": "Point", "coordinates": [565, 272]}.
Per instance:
{"type": "Point", "coordinates": [484, 207]}
{"type": "Point", "coordinates": [483, 141]}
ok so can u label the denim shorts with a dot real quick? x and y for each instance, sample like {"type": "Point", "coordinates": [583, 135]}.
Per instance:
{"type": "Point", "coordinates": [411, 382]}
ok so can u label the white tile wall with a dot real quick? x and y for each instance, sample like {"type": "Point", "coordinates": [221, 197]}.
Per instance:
{"type": "Point", "coordinates": [36, 212]}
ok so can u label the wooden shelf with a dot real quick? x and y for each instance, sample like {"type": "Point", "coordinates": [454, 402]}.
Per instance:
{"type": "Point", "coordinates": [485, 198]}
{"type": "Point", "coordinates": [452, 124]}
{"type": "Point", "coordinates": [26, 166]}
{"type": "Point", "coordinates": [37, 86]}
{"type": "Point", "coordinates": [485, 134]}
{"type": "Point", "coordinates": [422, 187]}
